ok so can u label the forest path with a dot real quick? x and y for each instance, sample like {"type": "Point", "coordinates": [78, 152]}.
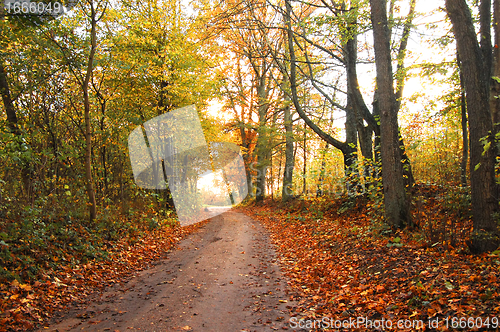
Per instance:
{"type": "Point", "coordinates": [224, 277]}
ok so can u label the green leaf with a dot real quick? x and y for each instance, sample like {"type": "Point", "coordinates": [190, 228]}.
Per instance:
{"type": "Point", "coordinates": [486, 147]}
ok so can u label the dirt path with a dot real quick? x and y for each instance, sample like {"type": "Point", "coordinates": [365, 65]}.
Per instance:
{"type": "Point", "coordinates": [222, 278]}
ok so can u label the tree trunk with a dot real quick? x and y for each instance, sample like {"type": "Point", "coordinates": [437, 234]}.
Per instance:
{"type": "Point", "coordinates": [352, 113]}
{"type": "Point", "coordinates": [7, 101]}
{"type": "Point", "coordinates": [262, 148]}
{"type": "Point", "coordinates": [304, 168]}
{"type": "Point", "coordinates": [270, 184]}
{"type": "Point", "coordinates": [376, 140]}
{"type": "Point", "coordinates": [164, 196]}
{"type": "Point", "coordinates": [484, 190]}
{"type": "Point", "coordinates": [495, 85]}
{"type": "Point", "coordinates": [345, 148]}
{"type": "Point", "coordinates": [395, 199]}
{"type": "Point", "coordinates": [289, 160]}
{"type": "Point", "coordinates": [408, 178]}
{"type": "Point", "coordinates": [465, 134]}
{"type": "Point", "coordinates": [104, 183]}
{"type": "Point", "coordinates": [485, 44]}
{"type": "Point", "coordinates": [365, 137]}
{"type": "Point", "coordinates": [400, 71]}
{"type": "Point", "coordinates": [26, 171]}
{"type": "Point", "coordinates": [247, 158]}
{"type": "Point", "coordinates": [321, 180]}
{"type": "Point", "coordinates": [88, 127]}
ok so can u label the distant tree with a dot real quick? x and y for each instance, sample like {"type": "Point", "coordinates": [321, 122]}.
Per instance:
{"type": "Point", "coordinates": [244, 28]}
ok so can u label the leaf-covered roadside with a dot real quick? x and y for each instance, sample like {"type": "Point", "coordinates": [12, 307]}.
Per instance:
{"type": "Point", "coordinates": [70, 275]}
{"type": "Point", "coordinates": [344, 266]}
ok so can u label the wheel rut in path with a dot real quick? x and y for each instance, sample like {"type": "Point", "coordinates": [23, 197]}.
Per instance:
{"type": "Point", "coordinates": [224, 277]}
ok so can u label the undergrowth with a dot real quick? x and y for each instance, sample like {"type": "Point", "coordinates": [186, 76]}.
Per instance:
{"type": "Point", "coordinates": [34, 241]}
{"type": "Point", "coordinates": [349, 264]}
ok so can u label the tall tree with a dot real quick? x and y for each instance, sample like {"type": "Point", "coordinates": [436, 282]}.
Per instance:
{"type": "Point", "coordinates": [94, 16]}
{"type": "Point", "coordinates": [13, 32]}
{"type": "Point", "coordinates": [289, 157]}
{"type": "Point", "coordinates": [347, 148]}
{"type": "Point", "coordinates": [346, 21]}
{"type": "Point", "coordinates": [262, 148]}
{"type": "Point", "coordinates": [465, 131]}
{"type": "Point", "coordinates": [7, 101]}
{"type": "Point", "coordinates": [83, 70]}
{"type": "Point", "coordinates": [396, 201]}
{"type": "Point", "coordinates": [239, 102]}
{"type": "Point", "coordinates": [249, 40]}
{"type": "Point", "coordinates": [476, 70]}
{"type": "Point", "coordinates": [495, 84]}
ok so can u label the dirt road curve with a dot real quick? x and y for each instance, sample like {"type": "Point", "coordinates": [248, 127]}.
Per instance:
{"type": "Point", "coordinates": [222, 278]}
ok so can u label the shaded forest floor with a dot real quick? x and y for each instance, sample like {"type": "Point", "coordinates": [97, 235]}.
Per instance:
{"type": "Point", "coordinates": [223, 277]}
{"type": "Point", "coordinates": [66, 276]}
{"type": "Point", "coordinates": [343, 264]}
{"type": "Point", "coordinates": [341, 261]}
